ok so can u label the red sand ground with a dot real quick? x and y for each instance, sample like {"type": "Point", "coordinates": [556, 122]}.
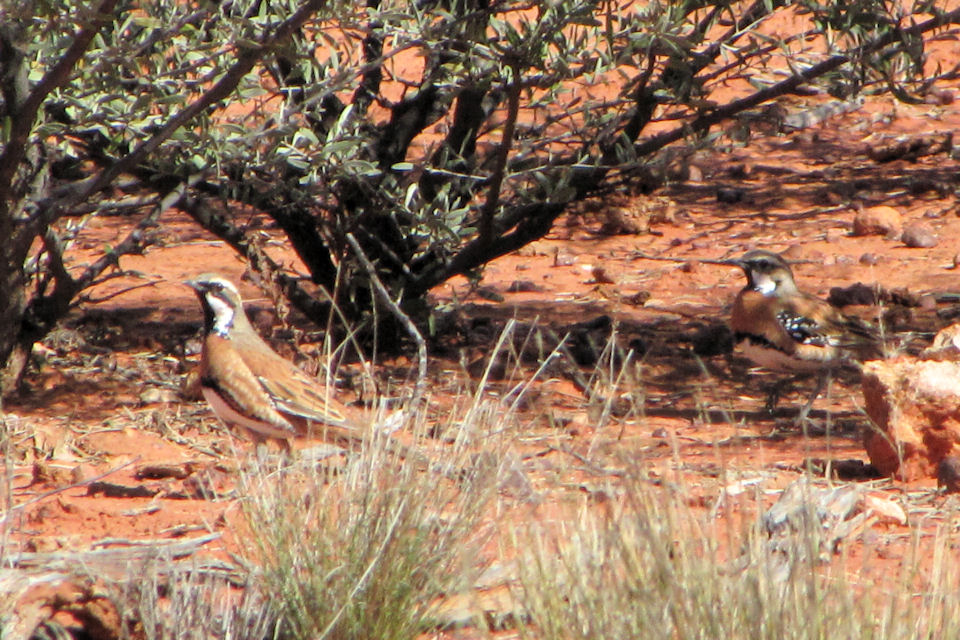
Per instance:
{"type": "Point", "coordinates": [107, 393]}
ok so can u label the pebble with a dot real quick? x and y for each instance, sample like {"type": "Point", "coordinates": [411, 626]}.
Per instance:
{"type": "Point", "coordinates": [523, 286]}
{"type": "Point", "coordinates": [928, 302]}
{"type": "Point", "coordinates": [563, 259]}
{"type": "Point", "coordinates": [153, 395]}
{"type": "Point", "coordinates": [600, 275]}
{"type": "Point", "coordinates": [939, 98]}
{"type": "Point", "coordinates": [883, 220]}
{"type": "Point", "coordinates": [948, 474]}
{"type": "Point", "coordinates": [919, 235]}
{"type": "Point", "coordinates": [870, 259]}
{"type": "Point", "coordinates": [835, 234]}
{"type": "Point", "coordinates": [793, 252]}
{"type": "Point", "coordinates": [730, 195]}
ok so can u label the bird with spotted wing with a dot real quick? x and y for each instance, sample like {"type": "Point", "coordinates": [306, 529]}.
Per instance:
{"type": "Point", "coordinates": [781, 328]}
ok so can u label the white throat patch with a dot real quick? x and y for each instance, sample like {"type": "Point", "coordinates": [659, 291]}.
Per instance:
{"type": "Point", "coordinates": [764, 284]}
{"type": "Point", "coordinates": [222, 314]}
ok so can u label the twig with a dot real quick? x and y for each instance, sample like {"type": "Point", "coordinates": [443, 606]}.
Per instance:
{"type": "Point", "coordinates": [75, 485]}
{"type": "Point", "coordinates": [485, 228]}
{"type": "Point", "coordinates": [590, 465]}
{"type": "Point", "coordinates": [120, 557]}
{"type": "Point", "coordinates": [110, 296]}
{"type": "Point", "coordinates": [421, 384]}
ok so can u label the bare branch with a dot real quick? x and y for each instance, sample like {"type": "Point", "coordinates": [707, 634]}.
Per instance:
{"type": "Point", "coordinates": [489, 210]}
{"type": "Point", "coordinates": [411, 328]}
{"type": "Point", "coordinates": [200, 210]}
{"type": "Point", "coordinates": [43, 496]}
{"type": "Point", "coordinates": [789, 85]}
{"type": "Point", "coordinates": [90, 299]}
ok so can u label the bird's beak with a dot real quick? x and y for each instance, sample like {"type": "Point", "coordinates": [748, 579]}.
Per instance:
{"type": "Point", "coordinates": [732, 262]}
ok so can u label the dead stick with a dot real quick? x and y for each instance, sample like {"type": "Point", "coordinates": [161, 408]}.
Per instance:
{"type": "Point", "coordinates": [421, 384]}
{"type": "Point", "coordinates": [75, 485]}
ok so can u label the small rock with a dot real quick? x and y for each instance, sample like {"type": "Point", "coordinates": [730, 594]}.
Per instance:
{"type": "Point", "coordinates": [638, 299]}
{"type": "Point", "coordinates": [882, 220]}
{"type": "Point", "coordinates": [793, 252]}
{"type": "Point", "coordinates": [497, 370]}
{"type": "Point", "coordinates": [844, 259]}
{"type": "Point", "coordinates": [939, 97]}
{"type": "Point", "coordinates": [928, 302]}
{"type": "Point", "coordinates": [81, 472]}
{"type": "Point", "coordinates": [190, 388]}
{"type": "Point", "coordinates": [853, 469]}
{"type": "Point", "coordinates": [945, 345]}
{"type": "Point", "coordinates": [489, 293]}
{"type": "Point", "coordinates": [730, 195]}
{"type": "Point", "coordinates": [915, 408]}
{"type": "Point", "coordinates": [948, 474]}
{"type": "Point", "coordinates": [835, 234]}
{"type": "Point", "coordinates": [956, 261]}
{"type": "Point", "coordinates": [919, 235]}
{"type": "Point", "coordinates": [690, 266]}
{"type": "Point", "coordinates": [153, 395]}
{"type": "Point", "coordinates": [563, 258]}
{"type": "Point", "coordinates": [870, 259]}
{"type": "Point", "coordinates": [523, 286]}
{"type": "Point", "coordinates": [703, 244]}
{"type": "Point", "coordinates": [600, 275]}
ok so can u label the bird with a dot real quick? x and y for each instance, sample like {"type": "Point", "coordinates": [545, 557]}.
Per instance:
{"type": "Point", "coordinates": [251, 386]}
{"type": "Point", "coordinates": [781, 328]}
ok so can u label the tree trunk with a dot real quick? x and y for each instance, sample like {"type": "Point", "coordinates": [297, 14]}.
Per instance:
{"type": "Point", "coordinates": [12, 310]}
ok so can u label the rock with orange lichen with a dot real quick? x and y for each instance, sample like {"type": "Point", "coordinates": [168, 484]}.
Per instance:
{"type": "Point", "coordinates": [914, 405]}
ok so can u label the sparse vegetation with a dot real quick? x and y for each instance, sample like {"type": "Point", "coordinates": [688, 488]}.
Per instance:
{"type": "Point", "coordinates": [376, 548]}
{"type": "Point", "coordinates": [368, 551]}
{"type": "Point", "coordinates": [647, 566]}
{"type": "Point", "coordinates": [441, 135]}
{"type": "Point", "coordinates": [299, 117]}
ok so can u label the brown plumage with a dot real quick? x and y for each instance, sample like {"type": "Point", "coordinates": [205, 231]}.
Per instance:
{"type": "Point", "coordinates": [781, 328]}
{"type": "Point", "coordinates": [249, 385]}
{"type": "Point", "coordinates": [785, 329]}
